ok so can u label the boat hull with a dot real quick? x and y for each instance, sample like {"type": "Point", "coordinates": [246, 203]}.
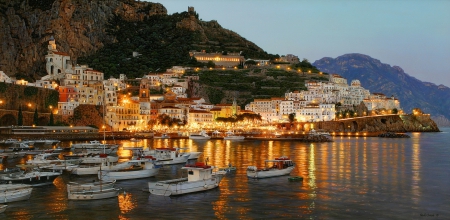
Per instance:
{"type": "Point", "coordinates": [90, 186]}
{"type": "Point", "coordinates": [177, 160]}
{"type": "Point", "coordinates": [14, 194]}
{"type": "Point", "coordinates": [182, 186]}
{"type": "Point", "coordinates": [125, 175]}
{"type": "Point", "coordinates": [93, 195]}
{"type": "Point", "coordinates": [259, 174]}
{"type": "Point", "coordinates": [234, 138]}
{"type": "Point", "coordinates": [37, 179]}
{"type": "Point", "coordinates": [194, 155]}
{"type": "Point", "coordinates": [3, 208]}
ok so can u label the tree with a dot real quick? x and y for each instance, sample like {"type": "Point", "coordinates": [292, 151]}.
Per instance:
{"type": "Point", "coordinates": [20, 117]}
{"type": "Point", "coordinates": [35, 117]}
{"type": "Point", "coordinates": [51, 121]}
{"type": "Point", "coordinates": [291, 117]}
{"type": "Point", "coordinates": [210, 64]}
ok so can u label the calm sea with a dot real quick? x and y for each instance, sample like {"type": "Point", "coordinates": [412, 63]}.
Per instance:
{"type": "Point", "coordinates": [350, 178]}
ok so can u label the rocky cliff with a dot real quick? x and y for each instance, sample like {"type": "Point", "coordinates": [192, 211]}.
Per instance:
{"type": "Point", "coordinates": [79, 26]}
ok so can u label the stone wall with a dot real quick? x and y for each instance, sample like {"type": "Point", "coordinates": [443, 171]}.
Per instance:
{"type": "Point", "coordinates": [384, 123]}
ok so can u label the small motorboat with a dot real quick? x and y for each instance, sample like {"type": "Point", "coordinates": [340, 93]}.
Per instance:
{"type": "Point", "coordinates": [200, 136]}
{"type": "Point", "coordinates": [14, 192]}
{"type": "Point", "coordinates": [92, 190]}
{"type": "Point", "coordinates": [33, 176]}
{"type": "Point", "coordinates": [137, 169]}
{"type": "Point", "coordinates": [163, 136]}
{"type": "Point", "coordinates": [278, 167]}
{"type": "Point", "coordinates": [200, 178]}
{"type": "Point", "coordinates": [3, 208]}
{"type": "Point", "coordinates": [232, 137]}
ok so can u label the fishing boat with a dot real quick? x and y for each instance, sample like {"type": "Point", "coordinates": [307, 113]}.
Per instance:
{"type": "Point", "coordinates": [231, 136]}
{"type": "Point", "coordinates": [135, 140]}
{"type": "Point", "coordinates": [14, 192]}
{"type": "Point", "coordinates": [200, 178]}
{"type": "Point", "coordinates": [92, 190]}
{"type": "Point", "coordinates": [163, 136]}
{"type": "Point", "coordinates": [3, 208]}
{"type": "Point", "coordinates": [94, 146]}
{"type": "Point", "coordinates": [33, 176]}
{"type": "Point", "coordinates": [21, 147]}
{"type": "Point", "coordinates": [44, 159]}
{"type": "Point", "coordinates": [92, 169]}
{"type": "Point", "coordinates": [200, 136]}
{"type": "Point", "coordinates": [136, 169]}
{"type": "Point", "coordinates": [166, 156]}
{"type": "Point", "coordinates": [192, 154]}
{"type": "Point", "coordinates": [278, 167]}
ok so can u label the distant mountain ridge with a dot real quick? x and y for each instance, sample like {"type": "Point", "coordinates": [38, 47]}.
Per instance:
{"type": "Point", "coordinates": [392, 80]}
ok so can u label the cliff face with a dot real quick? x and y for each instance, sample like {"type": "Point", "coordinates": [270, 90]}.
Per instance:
{"type": "Point", "coordinates": [79, 26]}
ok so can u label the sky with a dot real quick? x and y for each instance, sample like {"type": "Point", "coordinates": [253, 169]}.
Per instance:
{"type": "Point", "coordinates": [412, 34]}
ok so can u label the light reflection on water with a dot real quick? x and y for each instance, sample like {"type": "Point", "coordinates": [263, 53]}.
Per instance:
{"type": "Point", "coordinates": [351, 176]}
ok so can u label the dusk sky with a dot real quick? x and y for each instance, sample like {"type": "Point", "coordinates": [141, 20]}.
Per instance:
{"type": "Point", "coordinates": [412, 34]}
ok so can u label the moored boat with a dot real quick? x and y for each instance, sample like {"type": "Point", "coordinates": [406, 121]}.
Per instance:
{"type": "Point", "coordinates": [14, 192]}
{"type": "Point", "coordinates": [34, 177]}
{"type": "Point", "coordinates": [92, 191]}
{"type": "Point", "coordinates": [167, 156]}
{"type": "Point", "coordinates": [200, 136]}
{"type": "Point", "coordinates": [278, 167]}
{"type": "Point", "coordinates": [94, 147]}
{"type": "Point", "coordinates": [3, 208]}
{"type": "Point", "coordinates": [231, 136]}
{"type": "Point", "coordinates": [137, 169]}
{"type": "Point", "coordinates": [200, 178]}
{"type": "Point", "coordinates": [163, 136]}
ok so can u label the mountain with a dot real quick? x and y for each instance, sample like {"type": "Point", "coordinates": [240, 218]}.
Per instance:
{"type": "Point", "coordinates": [83, 27]}
{"type": "Point", "coordinates": [392, 80]}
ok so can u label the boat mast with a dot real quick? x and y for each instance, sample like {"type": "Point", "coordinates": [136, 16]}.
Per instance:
{"type": "Point", "coordinates": [104, 126]}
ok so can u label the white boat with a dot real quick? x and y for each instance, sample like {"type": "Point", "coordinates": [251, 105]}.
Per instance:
{"type": "Point", "coordinates": [90, 186]}
{"type": "Point", "coordinates": [12, 155]}
{"type": "Point", "coordinates": [167, 156]}
{"type": "Point", "coordinates": [163, 136]}
{"type": "Point", "coordinates": [231, 136]}
{"type": "Point", "coordinates": [200, 136]}
{"type": "Point", "coordinates": [3, 208]}
{"type": "Point", "coordinates": [45, 141]}
{"type": "Point", "coordinates": [10, 141]}
{"type": "Point", "coordinates": [136, 169]}
{"type": "Point", "coordinates": [92, 191]}
{"type": "Point", "coordinates": [278, 167]}
{"type": "Point", "coordinates": [21, 147]}
{"type": "Point", "coordinates": [94, 147]}
{"type": "Point", "coordinates": [92, 169]}
{"type": "Point", "coordinates": [34, 177]}
{"type": "Point", "coordinates": [320, 133]}
{"type": "Point", "coordinates": [135, 140]}
{"type": "Point", "coordinates": [44, 159]}
{"type": "Point", "coordinates": [192, 154]}
{"type": "Point", "coordinates": [14, 192]}
{"type": "Point", "coordinates": [200, 178]}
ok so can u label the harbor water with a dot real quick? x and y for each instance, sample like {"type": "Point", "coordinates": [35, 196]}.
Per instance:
{"type": "Point", "coordinates": [349, 178]}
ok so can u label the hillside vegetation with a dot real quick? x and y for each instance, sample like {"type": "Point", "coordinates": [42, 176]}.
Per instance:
{"type": "Point", "coordinates": [162, 42]}
{"type": "Point", "coordinates": [222, 86]}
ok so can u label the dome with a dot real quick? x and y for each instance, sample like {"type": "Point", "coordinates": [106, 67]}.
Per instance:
{"type": "Point", "coordinates": [170, 96]}
{"type": "Point", "coordinates": [355, 82]}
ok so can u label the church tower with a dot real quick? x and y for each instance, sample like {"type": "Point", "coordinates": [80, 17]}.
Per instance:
{"type": "Point", "coordinates": [52, 45]}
